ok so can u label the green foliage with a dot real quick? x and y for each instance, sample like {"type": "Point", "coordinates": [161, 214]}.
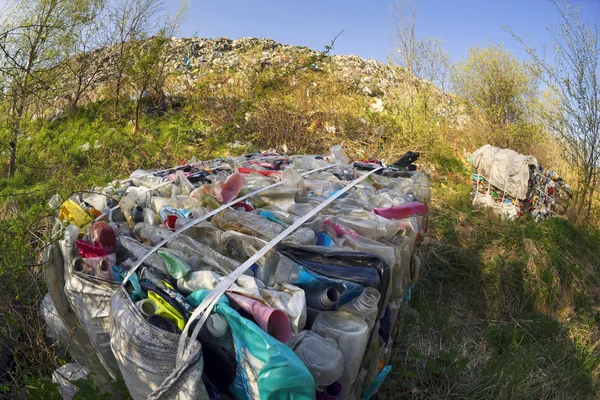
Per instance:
{"type": "Point", "coordinates": [502, 88]}
{"type": "Point", "coordinates": [505, 310]}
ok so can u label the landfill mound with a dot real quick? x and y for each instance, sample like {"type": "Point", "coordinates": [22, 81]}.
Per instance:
{"type": "Point", "coordinates": [256, 277]}
{"type": "Point", "coordinates": [512, 185]}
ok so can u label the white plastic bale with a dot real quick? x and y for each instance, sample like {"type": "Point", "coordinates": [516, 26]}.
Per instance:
{"type": "Point", "coordinates": [147, 356]}
{"type": "Point", "coordinates": [90, 299]}
{"type": "Point", "coordinates": [76, 342]}
{"type": "Point", "coordinates": [505, 169]}
{"type": "Point", "coordinates": [56, 330]}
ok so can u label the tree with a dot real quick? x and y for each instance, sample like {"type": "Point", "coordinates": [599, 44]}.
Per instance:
{"type": "Point", "coordinates": [573, 77]}
{"type": "Point", "coordinates": [131, 21]}
{"type": "Point", "coordinates": [148, 72]}
{"type": "Point", "coordinates": [149, 57]}
{"type": "Point", "coordinates": [31, 37]}
{"type": "Point", "coordinates": [501, 88]}
{"type": "Point", "coordinates": [84, 61]}
{"type": "Point", "coordinates": [424, 58]}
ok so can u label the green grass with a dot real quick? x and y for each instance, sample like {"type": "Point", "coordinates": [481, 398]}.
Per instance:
{"type": "Point", "coordinates": [502, 310]}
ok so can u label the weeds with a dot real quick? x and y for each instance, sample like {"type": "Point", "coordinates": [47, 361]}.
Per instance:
{"type": "Point", "coordinates": [503, 310]}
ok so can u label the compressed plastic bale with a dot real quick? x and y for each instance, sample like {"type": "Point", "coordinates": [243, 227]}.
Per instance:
{"type": "Point", "coordinates": [146, 356]}
{"type": "Point", "coordinates": [505, 169]}
{"type": "Point", "coordinates": [65, 376]}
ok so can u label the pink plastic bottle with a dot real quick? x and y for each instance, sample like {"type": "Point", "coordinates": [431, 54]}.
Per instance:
{"type": "Point", "coordinates": [402, 211]}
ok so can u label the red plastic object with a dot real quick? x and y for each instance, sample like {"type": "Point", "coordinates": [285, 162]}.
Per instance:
{"type": "Point", "coordinates": [402, 211]}
{"type": "Point", "coordinates": [257, 171]}
{"type": "Point", "coordinates": [243, 205]}
{"type": "Point", "coordinates": [170, 222]}
{"type": "Point", "coordinates": [103, 233]}
{"type": "Point", "coordinates": [87, 250]}
{"type": "Point", "coordinates": [231, 188]}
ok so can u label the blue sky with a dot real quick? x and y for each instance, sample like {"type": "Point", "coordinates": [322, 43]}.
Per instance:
{"type": "Point", "coordinates": [367, 25]}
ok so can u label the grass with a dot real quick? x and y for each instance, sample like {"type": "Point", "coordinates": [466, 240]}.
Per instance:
{"type": "Point", "coordinates": [502, 310]}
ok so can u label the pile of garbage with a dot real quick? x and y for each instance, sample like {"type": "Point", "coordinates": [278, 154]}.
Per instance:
{"type": "Point", "coordinates": [256, 277]}
{"type": "Point", "coordinates": [512, 185]}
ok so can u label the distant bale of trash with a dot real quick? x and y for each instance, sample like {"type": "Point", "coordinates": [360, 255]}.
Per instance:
{"type": "Point", "coordinates": [512, 185]}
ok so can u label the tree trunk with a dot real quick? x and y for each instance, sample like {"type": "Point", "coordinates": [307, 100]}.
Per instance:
{"type": "Point", "coordinates": [119, 76]}
{"type": "Point", "coordinates": [12, 163]}
{"type": "Point", "coordinates": [138, 106]}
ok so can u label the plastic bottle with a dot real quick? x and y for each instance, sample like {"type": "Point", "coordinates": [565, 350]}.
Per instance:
{"type": "Point", "coordinates": [147, 307]}
{"type": "Point", "coordinates": [308, 163]}
{"type": "Point", "coordinates": [365, 306]}
{"type": "Point", "coordinates": [150, 217]}
{"type": "Point", "coordinates": [320, 355]}
{"type": "Point", "coordinates": [369, 225]}
{"type": "Point", "coordinates": [216, 325]}
{"type": "Point", "coordinates": [359, 243]}
{"type": "Point", "coordinates": [177, 267]}
{"type": "Point", "coordinates": [204, 232]}
{"type": "Point", "coordinates": [256, 225]}
{"type": "Point", "coordinates": [314, 188]}
{"type": "Point", "coordinates": [103, 233]}
{"type": "Point", "coordinates": [228, 190]}
{"type": "Point", "coordinates": [218, 352]}
{"type": "Point", "coordinates": [330, 392]}
{"type": "Point", "coordinates": [351, 334]}
{"type": "Point", "coordinates": [322, 299]}
{"type": "Point", "coordinates": [191, 248]}
{"type": "Point", "coordinates": [127, 203]}
{"type": "Point", "coordinates": [128, 247]}
{"type": "Point", "coordinates": [137, 214]}
{"type": "Point", "coordinates": [150, 233]}
{"type": "Point", "coordinates": [300, 209]}
{"type": "Point", "coordinates": [79, 265]}
{"type": "Point", "coordinates": [274, 267]}
{"type": "Point", "coordinates": [340, 155]}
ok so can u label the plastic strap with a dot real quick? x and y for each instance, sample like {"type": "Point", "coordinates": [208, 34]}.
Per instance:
{"type": "Point", "coordinates": [205, 217]}
{"type": "Point", "coordinates": [209, 302]}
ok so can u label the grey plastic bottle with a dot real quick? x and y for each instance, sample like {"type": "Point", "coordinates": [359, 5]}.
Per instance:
{"type": "Point", "coordinates": [322, 299]}
{"type": "Point", "coordinates": [364, 306]}
{"type": "Point", "coordinates": [320, 355]}
{"type": "Point", "coordinates": [351, 334]}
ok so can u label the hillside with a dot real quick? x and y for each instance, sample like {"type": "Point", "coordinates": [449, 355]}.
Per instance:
{"type": "Point", "coordinates": [502, 310]}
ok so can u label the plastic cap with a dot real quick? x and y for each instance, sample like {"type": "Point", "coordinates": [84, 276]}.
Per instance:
{"type": "Point", "coordinates": [217, 325]}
